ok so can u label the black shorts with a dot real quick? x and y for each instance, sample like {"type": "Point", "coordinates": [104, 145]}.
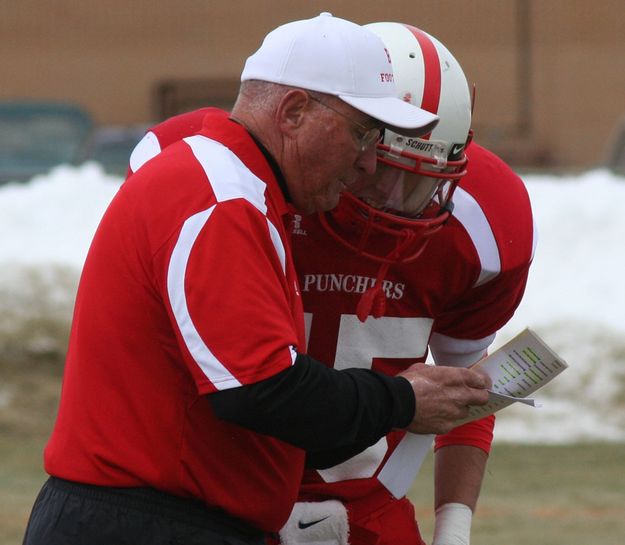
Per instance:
{"type": "Point", "coordinates": [68, 513]}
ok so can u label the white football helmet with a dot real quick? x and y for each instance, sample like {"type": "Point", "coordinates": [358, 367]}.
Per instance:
{"type": "Point", "coordinates": [409, 196]}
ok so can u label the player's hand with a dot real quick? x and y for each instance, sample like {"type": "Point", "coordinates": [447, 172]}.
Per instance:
{"type": "Point", "coordinates": [443, 395]}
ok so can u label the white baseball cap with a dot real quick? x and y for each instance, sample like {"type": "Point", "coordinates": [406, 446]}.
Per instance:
{"type": "Point", "coordinates": [338, 57]}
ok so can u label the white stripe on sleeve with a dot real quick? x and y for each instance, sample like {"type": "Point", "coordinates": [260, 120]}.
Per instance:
{"type": "Point", "coordinates": [231, 179]}
{"type": "Point", "coordinates": [210, 365]}
{"type": "Point", "coordinates": [459, 352]}
{"type": "Point", "coordinates": [147, 148]}
{"type": "Point", "coordinates": [470, 214]}
{"type": "Point", "coordinates": [227, 175]}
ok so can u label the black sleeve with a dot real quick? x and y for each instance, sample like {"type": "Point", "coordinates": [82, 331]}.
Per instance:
{"type": "Point", "coordinates": [322, 459]}
{"type": "Point", "coordinates": [331, 414]}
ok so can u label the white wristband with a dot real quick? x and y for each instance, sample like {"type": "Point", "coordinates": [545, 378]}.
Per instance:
{"type": "Point", "coordinates": [453, 524]}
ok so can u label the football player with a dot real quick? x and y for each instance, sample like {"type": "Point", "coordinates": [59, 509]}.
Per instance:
{"type": "Point", "coordinates": [429, 255]}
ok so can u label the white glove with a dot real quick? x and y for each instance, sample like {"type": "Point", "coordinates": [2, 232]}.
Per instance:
{"type": "Point", "coordinates": [316, 523]}
{"type": "Point", "coordinates": [452, 524]}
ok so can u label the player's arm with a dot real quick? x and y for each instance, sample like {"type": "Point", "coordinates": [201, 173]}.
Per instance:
{"type": "Point", "coordinates": [461, 455]}
{"type": "Point", "coordinates": [460, 462]}
{"type": "Point", "coordinates": [459, 470]}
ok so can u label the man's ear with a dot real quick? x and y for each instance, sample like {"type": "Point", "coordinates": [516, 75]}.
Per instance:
{"type": "Point", "coordinates": [291, 110]}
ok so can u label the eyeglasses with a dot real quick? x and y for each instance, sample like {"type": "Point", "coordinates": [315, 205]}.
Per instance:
{"type": "Point", "coordinates": [369, 136]}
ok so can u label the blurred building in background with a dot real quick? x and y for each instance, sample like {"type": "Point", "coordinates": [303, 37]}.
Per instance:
{"type": "Point", "coordinates": [550, 74]}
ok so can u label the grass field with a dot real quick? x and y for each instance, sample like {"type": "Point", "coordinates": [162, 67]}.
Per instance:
{"type": "Point", "coordinates": [538, 495]}
{"type": "Point", "coordinates": [544, 495]}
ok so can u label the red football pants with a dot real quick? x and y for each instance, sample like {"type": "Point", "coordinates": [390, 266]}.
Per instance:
{"type": "Point", "coordinates": [391, 524]}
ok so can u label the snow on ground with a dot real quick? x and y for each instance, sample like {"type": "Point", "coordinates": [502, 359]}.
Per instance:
{"type": "Point", "coordinates": [575, 296]}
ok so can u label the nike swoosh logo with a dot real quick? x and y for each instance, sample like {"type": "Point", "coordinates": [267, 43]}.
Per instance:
{"type": "Point", "coordinates": [303, 525]}
{"type": "Point", "coordinates": [456, 148]}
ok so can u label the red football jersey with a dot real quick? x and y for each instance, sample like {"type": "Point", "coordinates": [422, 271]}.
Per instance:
{"type": "Point", "coordinates": [463, 288]}
{"type": "Point", "coordinates": [189, 287]}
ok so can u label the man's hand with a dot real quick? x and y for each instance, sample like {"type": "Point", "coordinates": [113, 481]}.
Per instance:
{"type": "Point", "coordinates": [443, 395]}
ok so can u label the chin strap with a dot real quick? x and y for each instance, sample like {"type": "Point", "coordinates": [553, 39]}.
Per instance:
{"type": "Point", "coordinates": [373, 301]}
